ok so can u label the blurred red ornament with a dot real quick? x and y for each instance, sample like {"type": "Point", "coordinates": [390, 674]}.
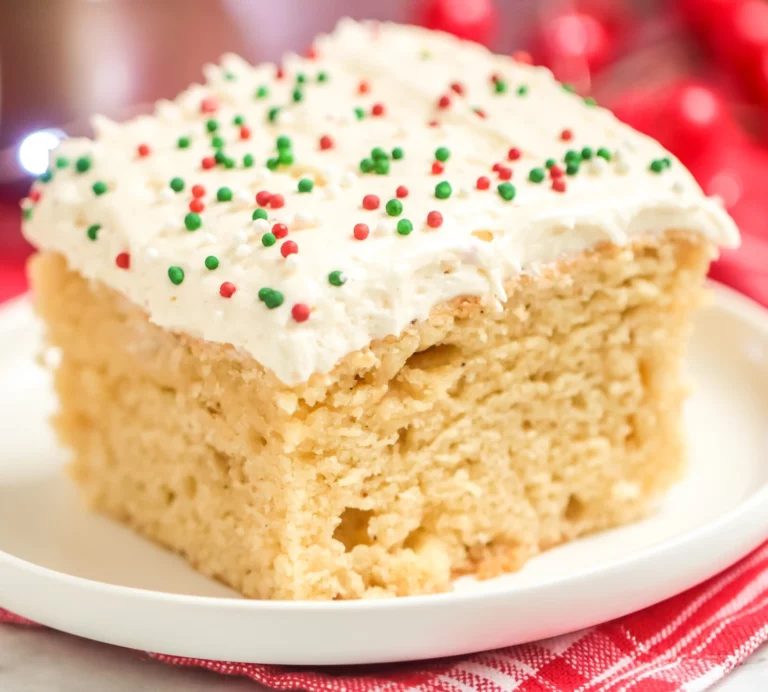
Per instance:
{"type": "Point", "coordinates": [474, 20]}
{"type": "Point", "coordinates": [706, 15]}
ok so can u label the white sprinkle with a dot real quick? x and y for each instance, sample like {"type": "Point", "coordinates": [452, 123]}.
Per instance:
{"type": "Point", "coordinates": [678, 187]}
{"type": "Point", "coordinates": [343, 119]}
{"type": "Point", "coordinates": [166, 194]}
{"type": "Point", "coordinates": [67, 193]}
{"type": "Point", "coordinates": [242, 196]}
{"type": "Point", "coordinates": [303, 219]}
{"type": "Point", "coordinates": [331, 174]}
{"type": "Point", "coordinates": [292, 262]}
{"type": "Point", "coordinates": [286, 118]}
{"type": "Point", "coordinates": [151, 254]}
{"type": "Point", "coordinates": [243, 250]}
{"type": "Point", "coordinates": [218, 314]}
{"type": "Point", "coordinates": [597, 165]}
{"type": "Point", "coordinates": [348, 179]}
{"type": "Point", "coordinates": [332, 191]}
{"type": "Point", "coordinates": [261, 224]}
{"type": "Point", "coordinates": [382, 229]}
{"type": "Point", "coordinates": [209, 239]}
{"type": "Point", "coordinates": [172, 221]}
{"type": "Point", "coordinates": [463, 191]}
{"type": "Point", "coordinates": [241, 237]}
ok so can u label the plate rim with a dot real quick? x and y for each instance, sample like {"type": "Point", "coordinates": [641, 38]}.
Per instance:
{"type": "Point", "coordinates": [724, 297]}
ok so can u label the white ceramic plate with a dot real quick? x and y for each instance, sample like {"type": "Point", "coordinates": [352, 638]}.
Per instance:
{"type": "Point", "coordinates": [83, 574]}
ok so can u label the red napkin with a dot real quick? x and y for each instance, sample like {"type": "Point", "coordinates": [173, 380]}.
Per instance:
{"type": "Point", "coordinates": [688, 642]}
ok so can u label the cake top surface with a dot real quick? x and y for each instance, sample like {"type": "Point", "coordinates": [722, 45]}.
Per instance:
{"type": "Point", "coordinates": [299, 212]}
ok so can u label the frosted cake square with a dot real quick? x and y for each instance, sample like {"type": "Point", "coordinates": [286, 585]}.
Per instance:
{"type": "Point", "coordinates": [352, 326]}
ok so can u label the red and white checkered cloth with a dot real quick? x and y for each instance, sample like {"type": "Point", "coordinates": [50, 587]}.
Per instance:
{"type": "Point", "coordinates": [687, 643]}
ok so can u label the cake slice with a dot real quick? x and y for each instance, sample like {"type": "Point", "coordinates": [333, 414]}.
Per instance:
{"type": "Point", "coordinates": [395, 312]}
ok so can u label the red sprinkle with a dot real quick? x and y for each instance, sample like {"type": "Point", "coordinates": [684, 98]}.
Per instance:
{"type": "Point", "coordinates": [363, 87]}
{"type": "Point", "coordinates": [458, 87]}
{"type": "Point", "coordinates": [496, 166]}
{"type": "Point", "coordinates": [288, 248]}
{"type": "Point", "coordinates": [279, 230]}
{"type": "Point", "coordinates": [263, 197]}
{"type": "Point", "coordinates": [437, 167]}
{"type": "Point", "coordinates": [311, 53]}
{"type": "Point", "coordinates": [198, 191]}
{"type": "Point", "coordinates": [433, 123]}
{"type": "Point", "coordinates": [495, 77]}
{"type": "Point", "coordinates": [300, 312]}
{"type": "Point", "coordinates": [401, 192]}
{"type": "Point", "coordinates": [558, 185]}
{"type": "Point", "coordinates": [123, 260]}
{"type": "Point", "coordinates": [209, 105]}
{"type": "Point", "coordinates": [279, 73]}
{"type": "Point", "coordinates": [378, 109]}
{"type": "Point", "coordinates": [361, 231]}
{"type": "Point", "coordinates": [196, 206]}
{"type": "Point", "coordinates": [505, 173]}
{"type": "Point", "coordinates": [434, 219]}
{"type": "Point", "coordinates": [555, 172]}
{"type": "Point", "coordinates": [483, 183]}
{"type": "Point", "coordinates": [566, 135]}
{"type": "Point", "coordinates": [480, 113]}
{"type": "Point", "coordinates": [371, 202]}
{"type": "Point", "coordinates": [522, 56]}
{"type": "Point", "coordinates": [276, 201]}
{"type": "Point", "coordinates": [245, 132]}
{"type": "Point", "coordinates": [34, 196]}
{"type": "Point", "coordinates": [227, 289]}
{"type": "Point", "coordinates": [208, 163]}
{"type": "Point", "coordinates": [444, 102]}
{"type": "Point", "coordinates": [514, 154]}
{"type": "Point", "coordinates": [326, 142]}
{"type": "Point", "coordinates": [143, 150]}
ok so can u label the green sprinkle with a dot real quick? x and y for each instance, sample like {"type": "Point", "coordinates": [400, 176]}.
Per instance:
{"type": "Point", "coordinates": [322, 77]}
{"type": "Point", "coordinates": [442, 153]}
{"type": "Point", "coordinates": [500, 86]}
{"type": "Point", "coordinates": [590, 101]}
{"type": "Point", "coordinates": [248, 161]}
{"type": "Point", "coordinates": [62, 162]}
{"type": "Point", "coordinates": [268, 240]}
{"type": "Point", "coordinates": [366, 165]}
{"type": "Point", "coordinates": [549, 163]}
{"type": "Point", "coordinates": [46, 177]}
{"type": "Point", "coordinates": [657, 165]}
{"type": "Point", "coordinates": [586, 153]}
{"type": "Point", "coordinates": [522, 90]}
{"type": "Point", "coordinates": [177, 184]}
{"type": "Point", "coordinates": [285, 157]}
{"type": "Point", "coordinates": [192, 221]}
{"type": "Point", "coordinates": [229, 162]}
{"type": "Point", "coordinates": [211, 262]}
{"type": "Point", "coordinates": [604, 153]}
{"type": "Point", "coordinates": [394, 207]}
{"type": "Point", "coordinates": [229, 76]}
{"type": "Point", "coordinates": [271, 298]}
{"type": "Point", "coordinates": [305, 185]}
{"type": "Point", "coordinates": [404, 227]}
{"type": "Point", "coordinates": [217, 142]}
{"type": "Point", "coordinates": [262, 92]}
{"type": "Point", "coordinates": [219, 156]}
{"type": "Point", "coordinates": [397, 153]}
{"type": "Point", "coordinates": [536, 175]}
{"type": "Point", "coordinates": [99, 188]}
{"type": "Point", "coordinates": [183, 142]}
{"type": "Point", "coordinates": [272, 113]}
{"type": "Point", "coordinates": [176, 275]}
{"type": "Point", "coordinates": [667, 161]}
{"type": "Point", "coordinates": [224, 194]}
{"type": "Point", "coordinates": [378, 153]}
{"type": "Point", "coordinates": [572, 156]}
{"type": "Point", "coordinates": [272, 164]}
{"type": "Point", "coordinates": [381, 166]}
{"type": "Point", "coordinates": [27, 213]}
{"type": "Point", "coordinates": [83, 164]}
{"type": "Point", "coordinates": [507, 191]}
{"type": "Point", "coordinates": [569, 88]}
{"type": "Point", "coordinates": [359, 113]}
{"type": "Point", "coordinates": [297, 95]}
{"type": "Point", "coordinates": [259, 214]}
{"type": "Point", "coordinates": [337, 278]}
{"type": "Point", "coordinates": [443, 190]}
{"type": "Point", "coordinates": [93, 231]}
{"type": "Point", "coordinates": [238, 120]}
{"type": "Point", "coordinates": [572, 168]}
{"type": "Point", "coordinates": [212, 125]}
{"type": "Point", "coordinates": [300, 78]}
{"type": "Point", "coordinates": [283, 142]}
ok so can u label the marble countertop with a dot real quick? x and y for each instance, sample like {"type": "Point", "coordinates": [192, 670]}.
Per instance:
{"type": "Point", "coordinates": [33, 660]}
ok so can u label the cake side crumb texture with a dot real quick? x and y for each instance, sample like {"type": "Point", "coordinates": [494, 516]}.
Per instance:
{"type": "Point", "coordinates": [468, 443]}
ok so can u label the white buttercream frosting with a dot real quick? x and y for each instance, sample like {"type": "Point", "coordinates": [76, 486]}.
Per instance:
{"type": "Point", "coordinates": [387, 279]}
